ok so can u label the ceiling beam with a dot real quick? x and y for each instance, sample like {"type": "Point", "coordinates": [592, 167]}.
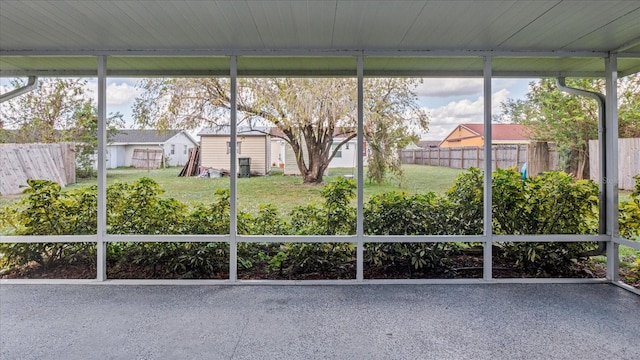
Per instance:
{"type": "Point", "coordinates": [306, 73]}
{"type": "Point", "coordinates": [308, 53]}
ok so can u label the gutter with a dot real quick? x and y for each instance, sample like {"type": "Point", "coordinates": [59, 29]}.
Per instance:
{"type": "Point", "coordinates": [31, 84]}
{"type": "Point", "coordinates": [602, 129]}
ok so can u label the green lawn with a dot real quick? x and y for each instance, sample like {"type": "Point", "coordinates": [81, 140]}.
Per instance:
{"type": "Point", "coordinates": [285, 192]}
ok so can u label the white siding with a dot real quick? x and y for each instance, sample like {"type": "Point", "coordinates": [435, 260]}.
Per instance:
{"type": "Point", "coordinates": [349, 156]}
{"type": "Point", "coordinates": [347, 160]}
{"type": "Point", "coordinates": [182, 145]}
{"type": "Point", "coordinates": [115, 156]}
{"type": "Point", "coordinates": [290, 164]}
{"type": "Point", "coordinates": [277, 152]}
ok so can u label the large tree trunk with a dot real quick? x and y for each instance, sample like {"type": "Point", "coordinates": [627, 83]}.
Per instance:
{"type": "Point", "coordinates": [313, 174]}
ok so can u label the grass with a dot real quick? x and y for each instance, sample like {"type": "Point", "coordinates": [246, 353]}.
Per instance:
{"type": "Point", "coordinates": [284, 192]}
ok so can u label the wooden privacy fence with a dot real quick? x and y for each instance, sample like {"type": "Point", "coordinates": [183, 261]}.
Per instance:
{"type": "Point", "coordinates": [503, 156]}
{"type": "Point", "coordinates": [19, 162]}
{"type": "Point", "coordinates": [628, 162]}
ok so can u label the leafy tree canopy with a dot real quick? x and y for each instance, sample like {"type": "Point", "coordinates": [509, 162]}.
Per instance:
{"type": "Point", "coordinates": [57, 110]}
{"type": "Point", "coordinates": [571, 121]}
{"type": "Point", "coordinates": [310, 112]}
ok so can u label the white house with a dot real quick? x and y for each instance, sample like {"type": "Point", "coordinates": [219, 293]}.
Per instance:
{"type": "Point", "coordinates": [346, 157]}
{"type": "Point", "coordinates": [173, 144]}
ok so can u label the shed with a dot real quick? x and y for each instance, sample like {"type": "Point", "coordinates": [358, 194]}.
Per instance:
{"type": "Point", "coordinates": [254, 143]}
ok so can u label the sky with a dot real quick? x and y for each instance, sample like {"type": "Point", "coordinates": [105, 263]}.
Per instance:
{"type": "Point", "coordinates": [449, 101]}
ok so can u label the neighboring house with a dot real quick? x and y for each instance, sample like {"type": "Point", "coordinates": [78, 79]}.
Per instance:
{"type": "Point", "coordinates": [412, 146]}
{"type": "Point", "coordinates": [346, 157]}
{"type": "Point", "coordinates": [473, 135]}
{"type": "Point", "coordinates": [174, 144]}
{"type": "Point", "coordinates": [278, 147]}
{"type": "Point", "coordinates": [429, 144]}
{"type": "Point", "coordinates": [254, 143]}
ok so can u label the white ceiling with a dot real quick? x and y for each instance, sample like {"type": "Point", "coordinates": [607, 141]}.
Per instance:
{"type": "Point", "coordinates": [438, 38]}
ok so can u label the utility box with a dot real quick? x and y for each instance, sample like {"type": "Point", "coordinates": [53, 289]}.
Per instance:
{"type": "Point", "coordinates": [245, 166]}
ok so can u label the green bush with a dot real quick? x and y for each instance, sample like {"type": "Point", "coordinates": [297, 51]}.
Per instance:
{"type": "Point", "coordinates": [397, 213]}
{"type": "Point", "coordinates": [335, 216]}
{"type": "Point", "coordinates": [137, 208]}
{"type": "Point", "coordinates": [465, 201]}
{"type": "Point", "coordinates": [167, 260]}
{"type": "Point", "coordinates": [213, 218]}
{"type": "Point", "coordinates": [48, 211]}
{"type": "Point", "coordinates": [552, 203]}
{"type": "Point", "coordinates": [630, 214]}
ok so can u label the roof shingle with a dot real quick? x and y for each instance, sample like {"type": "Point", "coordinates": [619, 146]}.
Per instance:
{"type": "Point", "coordinates": [143, 136]}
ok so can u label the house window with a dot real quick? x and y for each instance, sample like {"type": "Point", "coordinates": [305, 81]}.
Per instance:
{"type": "Point", "coordinates": [338, 153]}
{"type": "Point", "coordinates": [238, 147]}
{"type": "Point", "coordinates": [185, 150]}
{"type": "Point", "coordinates": [173, 149]}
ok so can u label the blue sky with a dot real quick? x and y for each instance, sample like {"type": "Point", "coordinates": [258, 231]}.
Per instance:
{"type": "Point", "coordinates": [449, 101]}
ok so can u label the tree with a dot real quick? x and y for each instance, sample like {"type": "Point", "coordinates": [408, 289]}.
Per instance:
{"type": "Point", "coordinates": [571, 121]}
{"type": "Point", "coordinates": [311, 113]}
{"type": "Point", "coordinates": [390, 115]}
{"type": "Point", "coordinates": [58, 110]}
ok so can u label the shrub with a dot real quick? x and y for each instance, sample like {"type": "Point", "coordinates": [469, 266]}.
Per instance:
{"type": "Point", "coordinates": [551, 203]}
{"type": "Point", "coordinates": [48, 211]}
{"type": "Point", "coordinates": [211, 219]}
{"type": "Point", "coordinates": [335, 216]}
{"type": "Point", "coordinates": [397, 213]}
{"type": "Point", "coordinates": [168, 260]}
{"type": "Point", "coordinates": [137, 208]}
{"type": "Point", "coordinates": [464, 203]}
{"type": "Point", "coordinates": [630, 214]}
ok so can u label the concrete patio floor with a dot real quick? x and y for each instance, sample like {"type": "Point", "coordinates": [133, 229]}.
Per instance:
{"type": "Point", "coordinates": [501, 321]}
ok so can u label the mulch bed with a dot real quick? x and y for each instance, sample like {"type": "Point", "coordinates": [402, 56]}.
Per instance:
{"type": "Point", "coordinates": [461, 267]}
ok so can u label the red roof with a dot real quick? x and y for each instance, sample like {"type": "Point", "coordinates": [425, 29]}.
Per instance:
{"type": "Point", "coordinates": [501, 132]}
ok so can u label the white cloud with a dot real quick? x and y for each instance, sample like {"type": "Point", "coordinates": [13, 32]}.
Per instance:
{"type": "Point", "coordinates": [444, 87]}
{"type": "Point", "coordinates": [118, 94]}
{"type": "Point", "coordinates": [121, 94]}
{"type": "Point", "coordinates": [445, 118]}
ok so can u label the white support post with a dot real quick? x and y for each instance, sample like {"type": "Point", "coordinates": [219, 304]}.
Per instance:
{"type": "Point", "coordinates": [611, 153]}
{"type": "Point", "coordinates": [360, 179]}
{"type": "Point", "coordinates": [233, 228]}
{"type": "Point", "coordinates": [101, 253]}
{"type": "Point", "coordinates": [488, 231]}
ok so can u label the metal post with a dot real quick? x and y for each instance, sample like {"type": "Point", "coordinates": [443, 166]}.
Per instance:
{"type": "Point", "coordinates": [602, 144]}
{"type": "Point", "coordinates": [488, 231]}
{"type": "Point", "coordinates": [360, 150]}
{"type": "Point", "coordinates": [233, 228]}
{"type": "Point", "coordinates": [101, 253]}
{"type": "Point", "coordinates": [611, 154]}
